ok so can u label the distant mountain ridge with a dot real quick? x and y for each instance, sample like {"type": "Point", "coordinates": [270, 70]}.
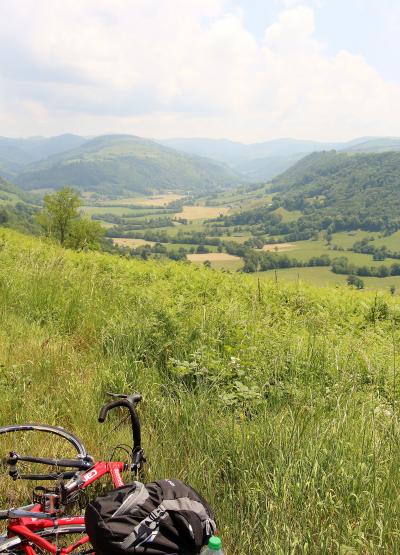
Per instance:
{"type": "Point", "coordinates": [146, 165]}
{"type": "Point", "coordinates": [264, 161]}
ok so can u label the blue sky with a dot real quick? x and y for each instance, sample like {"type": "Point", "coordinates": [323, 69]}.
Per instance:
{"type": "Point", "coordinates": [247, 70]}
{"type": "Point", "coordinates": [367, 27]}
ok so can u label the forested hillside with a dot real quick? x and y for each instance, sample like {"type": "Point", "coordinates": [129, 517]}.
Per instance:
{"type": "Point", "coordinates": [16, 208]}
{"type": "Point", "coordinates": [278, 403]}
{"type": "Point", "coordinates": [118, 164]}
{"type": "Point", "coordinates": [355, 191]}
{"type": "Point", "coordinates": [332, 191]}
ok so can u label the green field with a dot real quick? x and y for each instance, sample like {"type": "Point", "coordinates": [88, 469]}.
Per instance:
{"type": "Point", "coordinates": [323, 276]}
{"type": "Point", "coordinates": [347, 239]}
{"type": "Point", "coordinates": [304, 250]}
{"type": "Point", "coordinates": [288, 216]}
{"type": "Point", "coordinates": [116, 210]}
{"type": "Point", "coordinates": [392, 242]}
{"type": "Point", "coordinates": [278, 402]}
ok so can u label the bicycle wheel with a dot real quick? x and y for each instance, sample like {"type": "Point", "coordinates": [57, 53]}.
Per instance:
{"type": "Point", "coordinates": [61, 536]}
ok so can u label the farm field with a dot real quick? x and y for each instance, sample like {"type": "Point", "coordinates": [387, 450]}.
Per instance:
{"type": "Point", "coordinates": [323, 276]}
{"type": "Point", "coordinates": [131, 243]}
{"type": "Point", "coordinates": [392, 242]}
{"type": "Point", "coordinates": [347, 239]}
{"type": "Point", "coordinates": [279, 247]}
{"type": "Point", "coordinates": [115, 210]}
{"type": "Point", "coordinates": [304, 250]}
{"type": "Point", "coordinates": [202, 212]}
{"type": "Point", "coordinates": [218, 260]}
{"type": "Point", "coordinates": [288, 215]}
{"type": "Point", "coordinates": [159, 200]}
{"type": "Point", "coordinates": [137, 213]}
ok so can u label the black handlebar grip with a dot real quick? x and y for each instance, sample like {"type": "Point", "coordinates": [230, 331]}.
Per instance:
{"type": "Point", "coordinates": [128, 402]}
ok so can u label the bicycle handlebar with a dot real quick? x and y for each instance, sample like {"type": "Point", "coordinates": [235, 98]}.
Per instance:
{"type": "Point", "coordinates": [84, 461]}
{"type": "Point", "coordinates": [128, 401]}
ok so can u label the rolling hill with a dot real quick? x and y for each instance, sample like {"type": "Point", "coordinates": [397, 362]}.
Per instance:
{"type": "Point", "coordinates": [333, 191]}
{"type": "Point", "coordinates": [120, 164]}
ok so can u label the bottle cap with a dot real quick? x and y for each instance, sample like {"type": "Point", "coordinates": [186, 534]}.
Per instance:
{"type": "Point", "coordinates": [215, 543]}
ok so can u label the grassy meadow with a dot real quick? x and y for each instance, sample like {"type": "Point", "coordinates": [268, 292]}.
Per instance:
{"type": "Point", "coordinates": [279, 402]}
{"type": "Point", "coordinates": [323, 276]}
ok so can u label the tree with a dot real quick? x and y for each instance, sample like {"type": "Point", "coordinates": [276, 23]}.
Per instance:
{"type": "Point", "coordinates": [84, 234]}
{"type": "Point", "coordinates": [383, 271]}
{"type": "Point", "coordinates": [60, 210]}
{"type": "Point", "coordinates": [355, 281]}
{"type": "Point", "coordinates": [60, 218]}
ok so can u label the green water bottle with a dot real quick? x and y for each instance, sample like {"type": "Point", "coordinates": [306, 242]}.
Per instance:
{"type": "Point", "coordinates": [214, 547]}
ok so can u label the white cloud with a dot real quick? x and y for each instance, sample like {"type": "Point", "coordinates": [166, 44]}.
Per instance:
{"type": "Point", "coordinates": [182, 67]}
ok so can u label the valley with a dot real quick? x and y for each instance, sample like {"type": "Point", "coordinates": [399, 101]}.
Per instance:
{"type": "Point", "coordinates": [330, 215]}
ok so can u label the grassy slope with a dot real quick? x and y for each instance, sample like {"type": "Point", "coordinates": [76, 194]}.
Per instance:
{"type": "Point", "coordinates": [309, 467]}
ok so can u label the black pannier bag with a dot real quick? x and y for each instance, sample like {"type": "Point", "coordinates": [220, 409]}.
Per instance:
{"type": "Point", "coordinates": [163, 517]}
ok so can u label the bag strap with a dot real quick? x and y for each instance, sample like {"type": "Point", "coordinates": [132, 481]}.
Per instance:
{"type": "Point", "coordinates": [138, 497]}
{"type": "Point", "coordinates": [148, 528]}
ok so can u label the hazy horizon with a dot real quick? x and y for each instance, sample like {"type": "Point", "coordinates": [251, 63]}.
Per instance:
{"type": "Point", "coordinates": [275, 139]}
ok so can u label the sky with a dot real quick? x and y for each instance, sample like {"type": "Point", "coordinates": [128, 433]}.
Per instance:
{"type": "Point", "coordinates": [245, 70]}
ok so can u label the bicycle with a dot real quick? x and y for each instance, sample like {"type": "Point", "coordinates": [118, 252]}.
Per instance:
{"type": "Point", "coordinates": [37, 527]}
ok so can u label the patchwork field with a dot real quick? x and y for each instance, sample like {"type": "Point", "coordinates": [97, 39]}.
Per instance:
{"type": "Point", "coordinates": [325, 277]}
{"type": "Point", "coordinates": [202, 212]}
{"type": "Point", "coordinates": [279, 247]}
{"type": "Point", "coordinates": [218, 260]}
{"type": "Point", "coordinates": [347, 239]}
{"type": "Point", "coordinates": [304, 250]}
{"type": "Point", "coordinates": [140, 215]}
{"type": "Point", "coordinates": [160, 200]}
{"type": "Point", "coordinates": [131, 243]}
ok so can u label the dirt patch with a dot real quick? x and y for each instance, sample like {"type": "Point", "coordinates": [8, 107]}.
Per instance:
{"type": "Point", "coordinates": [212, 257]}
{"type": "Point", "coordinates": [279, 247]}
{"type": "Point", "coordinates": [161, 200]}
{"type": "Point", "coordinates": [131, 243]}
{"type": "Point", "coordinates": [202, 212]}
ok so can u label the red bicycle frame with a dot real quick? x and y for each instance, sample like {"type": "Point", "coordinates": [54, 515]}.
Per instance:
{"type": "Point", "coordinates": [26, 528]}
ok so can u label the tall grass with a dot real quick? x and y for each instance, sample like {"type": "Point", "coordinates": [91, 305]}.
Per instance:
{"type": "Point", "coordinates": [278, 402]}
